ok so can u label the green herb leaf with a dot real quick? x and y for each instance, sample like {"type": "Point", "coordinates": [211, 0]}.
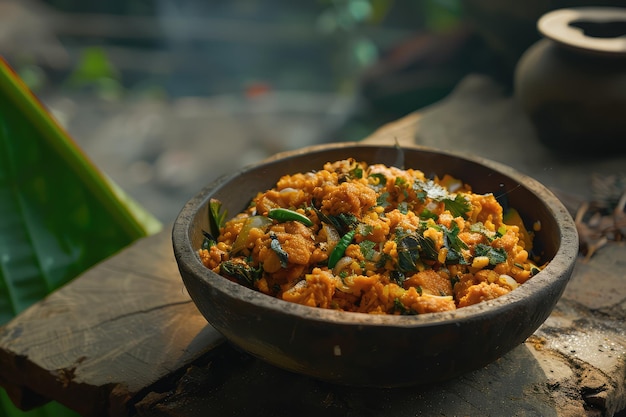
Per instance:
{"type": "Point", "coordinates": [377, 181]}
{"type": "Point", "coordinates": [397, 276]}
{"type": "Point", "coordinates": [244, 273]}
{"type": "Point", "coordinates": [408, 253]}
{"type": "Point", "coordinates": [428, 248]}
{"type": "Point", "coordinates": [431, 189]}
{"type": "Point", "coordinates": [367, 249]}
{"type": "Point", "coordinates": [479, 227]}
{"type": "Point", "coordinates": [217, 216]}
{"type": "Point", "coordinates": [457, 207]}
{"type": "Point", "coordinates": [357, 172]}
{"type": "Point", "coordinates": [364, 229]}
{"type": "Point", "coordinates": [454, 245]}
{"type": "Point", "coordinates": [342, 222]}
{"type": "Point", "coordinates": [275, 246]}
{"type": "Point", "coordinates": [401, 308]}
{"type": "Point", "coordinates": [496, 255]}
{"type": "Point", "coordinates": [427, 214]}
{"type": "Point", "coordinates": [383, 199]}
{"type": "Point", "coordinates": [454, 280]}
{"type": "Point", "coordinates": [208, 240]}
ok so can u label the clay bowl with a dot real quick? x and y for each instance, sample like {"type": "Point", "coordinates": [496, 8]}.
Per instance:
{"type": "Point", "coordinates": [371, 350]}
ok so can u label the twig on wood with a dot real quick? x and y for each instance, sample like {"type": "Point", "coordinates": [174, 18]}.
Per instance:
{"type": "Point", "coordinates": [596, 223]}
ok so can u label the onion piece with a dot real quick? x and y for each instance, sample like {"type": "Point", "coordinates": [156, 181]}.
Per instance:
{"type": "Point", "coordinates": [342, 264]}
{"type": "Point", "coordinates": [508, 281]}
{"type": "Point", "coordinates": [331, 235]}
{"type": "Point", "coordinates": [259, 222]}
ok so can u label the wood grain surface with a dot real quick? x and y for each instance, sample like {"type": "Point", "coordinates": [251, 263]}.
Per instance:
{"type": "Point", "coordinates": [98, 342]}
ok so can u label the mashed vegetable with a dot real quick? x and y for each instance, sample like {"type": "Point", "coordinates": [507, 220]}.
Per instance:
{"type": "Point", "coordinates": [373, 239]}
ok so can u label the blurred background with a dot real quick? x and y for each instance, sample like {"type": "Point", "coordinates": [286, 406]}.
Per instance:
{"type": "Point", "coordinates": [165, 96]}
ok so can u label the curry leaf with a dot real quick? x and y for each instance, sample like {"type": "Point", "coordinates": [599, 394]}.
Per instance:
{"type": "Point", "coordinates": [454, 244]}
{"type": "Point", "coordinates": [278, 249]}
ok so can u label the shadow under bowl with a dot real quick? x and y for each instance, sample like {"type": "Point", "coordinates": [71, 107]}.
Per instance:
{"type": "Point", "coordinates": [378, 350]}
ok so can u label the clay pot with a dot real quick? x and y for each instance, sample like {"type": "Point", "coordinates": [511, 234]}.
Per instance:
{"type": "Point", "coordinates": [572, 83]}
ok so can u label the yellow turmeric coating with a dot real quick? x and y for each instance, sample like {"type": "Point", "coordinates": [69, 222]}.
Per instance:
{"type": "Point", "coordinates": [383, 240]}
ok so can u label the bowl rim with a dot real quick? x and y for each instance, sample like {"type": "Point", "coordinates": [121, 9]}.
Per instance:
{"type": "Point", "coordinates": [553, 275]}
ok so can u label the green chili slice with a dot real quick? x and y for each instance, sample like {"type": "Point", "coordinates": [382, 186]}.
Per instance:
{"type": "Point", "coordinates": [285, 215]}
{"type": "Point", "coordinates": [340, 248]}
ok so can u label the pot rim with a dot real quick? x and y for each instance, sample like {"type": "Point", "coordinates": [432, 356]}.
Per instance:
{"type": "Point", "coordinates": [556, 25]}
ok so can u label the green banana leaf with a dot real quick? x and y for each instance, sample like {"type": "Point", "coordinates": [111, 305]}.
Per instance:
{"type": "Point", "coordinates": [59, 215]}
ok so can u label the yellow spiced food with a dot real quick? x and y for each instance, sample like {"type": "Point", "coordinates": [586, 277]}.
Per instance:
{"type": "Point", "coordinates": [372, 239]}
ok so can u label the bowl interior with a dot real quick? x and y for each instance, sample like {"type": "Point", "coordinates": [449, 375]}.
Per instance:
{"type": "Point", "coordinates": [511, 188]}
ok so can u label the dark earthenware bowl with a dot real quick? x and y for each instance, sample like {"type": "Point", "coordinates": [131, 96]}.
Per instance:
{"type": "Point", "coordinates": [376, 350]}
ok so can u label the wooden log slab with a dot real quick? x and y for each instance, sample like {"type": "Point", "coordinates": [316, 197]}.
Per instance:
{"type": "Point", "coordinates": [99, 341]}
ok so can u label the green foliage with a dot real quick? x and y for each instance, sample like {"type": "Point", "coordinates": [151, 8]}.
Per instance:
{"type": "Point", "coordinates": [59, 215]}
{"type": "Point", "coordinates": [442, 14]}
{"type": "Point", "coordinates": [96, 72]}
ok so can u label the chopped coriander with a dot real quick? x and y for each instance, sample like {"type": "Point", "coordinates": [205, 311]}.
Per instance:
{"type": "Point", "coordinates": [367, 249]}
{"type": "Point", "coordinates": [383, 199]}
{"type": "Point", "coordinates": [427, 214]}
{"type": "Point", "coordinates": [377, 180]}
{"type": "Point", "coordinates": [454, 244]}
{"type": "Point", "coordinates": [357, 172]}
{"type": "Point", "coordinates": [479, 227]}
{"type": "Point", "coordinates": [400, 182]}
{"type": "Point", "coordinates": [401, 308]}
{"type": "Point", "coordinates": [421, 196]}
{"type": "Point", "coordinates": [432, 190]}
{"type": "Point", "coordinates": [457, 207]}
{"type": "Point", "coordinates": [496, 255]}
{"type": "Point", "coordinates": [364, 229]}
